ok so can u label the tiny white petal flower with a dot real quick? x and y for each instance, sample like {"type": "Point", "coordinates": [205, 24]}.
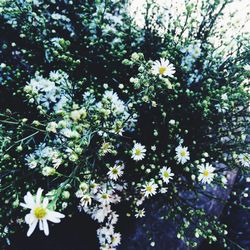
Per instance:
{"type": "Point", "coordinates": [182, 154]}
{"type": "Point", "coordinates": [116, 171]}
{"type": "Point", "coordinates": [206, 173]}
{"type": "Point", "coordinates": [149, 189]}
{"type": "Point", "coordinates": [166, 174]}
{"type": "Point", "coordinates": [163, 68]}
{"type": "Point", "coordinates": [115, 239]}
{"type": "Point", "coordinates": [140, 213]}
{"type": "Point", "coordinates": [86, 200]}
{"type": "Point", "coordinates": [247, 67]}
{"type": "Point", "coordinates": [244, 159]}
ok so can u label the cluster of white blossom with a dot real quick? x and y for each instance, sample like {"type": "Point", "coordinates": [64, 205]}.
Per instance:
{"type": "Point", "coordinates": [44, 156]}
{"type": "Point", "coordinates": [49, 92]}
{"type": "Point", "coordinates": [96, 200]}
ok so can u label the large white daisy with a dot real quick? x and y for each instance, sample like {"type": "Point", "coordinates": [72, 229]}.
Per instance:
{"type": "Point", "coordinates": [39, 212]}
{"type": "Point", "coordinates": [163, 68]}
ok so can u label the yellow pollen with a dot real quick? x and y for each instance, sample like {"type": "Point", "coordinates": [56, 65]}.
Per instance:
{"type": "Point", "coordinates": [104, 196]}
{"type": "Point", "coordinates": [40, 213]}
{"type": "Point", "coordinates": [149, 188]}
{"type": "Point", "coordinates": [183, 153]}
{"type": "Point", "coordinates": [206, 173]}
{"type": "Point", "coordinates": [114, 171]}
{"type": "Point", "coordinates": [137, 152]}
{"type": "Point", "coordinates": [166, 174]}
{"type": "Point", "coordinates": [245, 158]}
{"type": "Point", "coordinates": [162, 70]}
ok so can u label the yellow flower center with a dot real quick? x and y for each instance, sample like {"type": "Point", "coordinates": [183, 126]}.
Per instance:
{"type": "Point", "coordinates": [166, 174]}
{"type": "Point", "coordinates": [114, 171]}
{"type": "Point", "coordinates": [162, 70]}
{"type": "Point", "coordinates": [206, 173]}
{"type": "Point", "coordinates": [149, 188]}
{"type": "Point", "coordinates": [105, 196]}
{"type": "Point", "coordinates": [245, 158]}
{"type": "Point", "coordinates": [183, 153]}
{"type": "Point", "coordinates": [105, 146]}
{"type": "Point", "coordinates": [40, 213]}
{"type": "Point", "coordinates": [137, 151]}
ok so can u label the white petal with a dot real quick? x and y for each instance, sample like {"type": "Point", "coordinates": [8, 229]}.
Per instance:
{"type": "Point", "coordinates": [40, 225]}
{"type": "Point", "coordinates": [45, 202]}
{"type": "Point", "coordinates": [45, 227]}
{"type": "Point", "coordinates": [24, 205]}
{"type": "Point", "coordinates": [29, 218]}
{"type": "Point", "coordinates": [56, 214]}
{"type": "Point", "coordinates": [52, 218]}
{"type": "Point", "coordinates": [32, 227]}
{"type": "Point", "coordinates": [29, 200]}
{"type": "Point", "coordinates": [38, 196]}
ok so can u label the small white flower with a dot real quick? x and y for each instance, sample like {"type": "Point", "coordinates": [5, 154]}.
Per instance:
{"type": "Point", "coordinates": [206, 173]}
{"type": "Point", "coordinates": [51, 127]}
{"type": "Point", "coordinates": [163, 68]}
{"type": "Point", "coordinates": [140, 213]}
{"type": "Point", "coordinates": [244, 159]}
{"type": "Point", "coordinates": [48, 171]}
{"type": "Point", "coordinates": [247, 67]}
{"type": "Point", "coordinates": [86, 200]}
{"type": "Point", "coordinates": [138, 152]}
{"type": "Point", "coordinates": [224, 97]}
{"type": "Point", "coordinates": [194, 50]}
{"type": "Point", "coordinates": [100, 214]}
{"type": "Point", "coordinates": [79, 193]}
{"type": "Point", "coordinates": [113, 218]}
{"type": "Point", "coordinates": [166, 174]}
{"type": "Point", "coordinates": [149, 189]}
{"type": "Point", "coordinates": [163, 190]}
{"type": "Point", "coordinates": [182, 154]}
{"type": "Point", "coordinates": [105, 197]}
{"type": "Point", "coordinates": [116, 239]}
{"type": "Point", "coordinates": [31, 161]}
{"type": "Point", "coordinates": [39, 213]}
{"type": "Point", "coordinates": [116, 171]}
{"type": "Point", "coordinates": [75, 115]}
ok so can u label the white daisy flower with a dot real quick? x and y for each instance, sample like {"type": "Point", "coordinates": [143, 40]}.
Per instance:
{"type": "Point", "coordinates": [39, 212]}
{"type": "Point", "coordinates": [86, 200]}
{"type": "Point", "coordinates": [149, 189]}
{"type": "Point", "coordinates": [138, 152]}
{"type": "Point", "coordinates": [116, 239]}
{"type": "Point", "coordinates": [247, 67]}
{"type": "Point", "coordinates": [166, 174]}
{"type": "Point", "coordinates": [31, 161]}
{"type": "Point", "coordinates": [163, 68]}
{"type": "Point", "coordinates": [100, 214]}
{"type": "Point", "coordinates": [116, 171]}
{"type": "Point", "coordinates": [244, 159]}
{"type": "Point", "coordinates": [105, 197]}
{"type": "Point", "coordinates": [182, 154]}
{"type": "Point", "coordinates": [206, 173]}
{"type": "Point", "coordinates": [140, 213]}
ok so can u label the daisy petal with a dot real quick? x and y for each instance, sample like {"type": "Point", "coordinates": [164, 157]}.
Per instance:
{"type": "Point", "coordinates": [32, 227]}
